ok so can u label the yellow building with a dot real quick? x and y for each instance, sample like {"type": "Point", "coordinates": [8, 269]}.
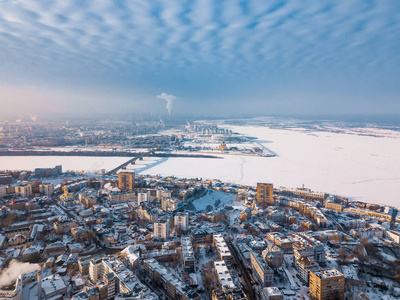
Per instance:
{"type": "Point", "coordinates": [121, 197]}
{"type": "Point", "coordinates": [309, 211]}
{"type": "Point", "coordinates": [223, 146]}
{"type": "Point", "coordinates": [126, 181]}
{"type": "Point", "coordinates": [63, 226]}
{"type": "Point", "coordinates": [327, 285]}
{"type": "Point", "coordinates": [370, 213]}
{"type": "Point", "coordinates": [284, 242]}
{"type": "Point", "coordinates": [18, 239]}
{"type": "Point", "coordinates": [67, 198]}
{"type": "Point", "coordinates": [87, 201]}
{"type": "Point", "coordinates": [148, 214]}
{"type": "Point", "coordinates": [334, 206]}
{"type": "Point", "coordinates": [265, 193]}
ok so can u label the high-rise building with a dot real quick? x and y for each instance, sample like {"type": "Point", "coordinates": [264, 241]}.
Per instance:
{"type": "Point", "coordinates": [143, 197]}
{"type": "Point", "coordinates": [110, 280]}
{"type": "Point", "coordinates": [265, 193]}
{"type": "Point", "coordinates": [126, 181]}
{"type": "Point", "coordinates": [326, 285]}
{"type": "Point", "coordinates": [95, 269]}
{"type": "Point", "coordinates": [161, 229]}
{"type": "Point", "coordinates": [24, 190]}
{"type": "Point", "coordinates": [181, 220]}
{"type": "Point", "coordinates": [46, 189]}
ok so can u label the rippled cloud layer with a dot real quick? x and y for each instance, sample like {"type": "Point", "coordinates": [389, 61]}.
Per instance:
{"type": "Point", "coordinates": [199, 49]}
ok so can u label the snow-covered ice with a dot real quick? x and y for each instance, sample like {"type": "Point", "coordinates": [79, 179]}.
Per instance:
{"type": "Point", "coordinates": [363, 167]}
{"type": "Point", "coordinates": [366, 168]}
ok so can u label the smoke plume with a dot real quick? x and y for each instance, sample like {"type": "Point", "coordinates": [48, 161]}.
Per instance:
{"type": "Point", "coordinates": [169, 100]}
{"type": "Point", "coordinates": [14, 269]}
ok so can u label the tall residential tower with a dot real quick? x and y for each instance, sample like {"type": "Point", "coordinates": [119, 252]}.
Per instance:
{"type": "Point", "coordinates": [126, 181]}
{"type": "Point", "coordinates": [265, 193]}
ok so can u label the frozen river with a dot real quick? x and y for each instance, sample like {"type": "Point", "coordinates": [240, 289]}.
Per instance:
{"type": "Point", "coordinates": [363, 167]}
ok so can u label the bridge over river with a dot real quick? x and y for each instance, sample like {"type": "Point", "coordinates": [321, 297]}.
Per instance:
{"type": "Point", "coordinates": [131, 161]}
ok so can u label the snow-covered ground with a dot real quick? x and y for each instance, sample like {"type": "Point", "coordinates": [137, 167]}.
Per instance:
{"type": "Point", "coordinates": [364, 167]}
{"type": "Point", "coordinates": [210, 199]}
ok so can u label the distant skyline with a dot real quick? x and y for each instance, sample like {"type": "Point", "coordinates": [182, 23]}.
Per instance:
{"type": "Point", "coordinates": [200, 57]}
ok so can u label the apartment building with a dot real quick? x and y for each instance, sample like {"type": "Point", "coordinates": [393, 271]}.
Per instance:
{"type": "Point", "coordinates": [24, 190]}
{"type": "Point", "coordinates": [143, 197]}
{"type": "Point", "coordinates": [181, 221]}
{"type": "Point", "coordinates": [126, 181]}
{"type": "Point", "coordinates": [187, 254]}
{"type": "Point", "coordinates": [222, 249]}
{"type": "Point", "coordinates": [64, 226]}
{"type": "Point", "coordinates": [172, 287]}
{"type": "Point", "coordinates": [263, 272]}
{"type": "Point", "coordinates": [327, 285]}
{"type": "Point", "coordinates": [161, 229]}
{"type": "Point", "coordinates": [265, 193]}
{"type": "Point", "coordinates": [46, 189]}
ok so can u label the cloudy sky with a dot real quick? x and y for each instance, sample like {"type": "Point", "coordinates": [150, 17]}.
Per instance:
{"type": "Point", "coordinates": [210, 57]}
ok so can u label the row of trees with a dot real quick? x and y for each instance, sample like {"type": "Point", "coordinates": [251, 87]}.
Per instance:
{"type": "Point", "coordinates": [209, 280]}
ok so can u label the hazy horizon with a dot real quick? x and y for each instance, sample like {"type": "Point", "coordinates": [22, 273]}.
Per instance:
{"type": "Point", "coordinates": [379, 119]}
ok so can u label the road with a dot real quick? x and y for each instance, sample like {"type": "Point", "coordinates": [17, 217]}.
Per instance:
{"type": "Point", "coordinates": [291, 272]}
{"type": "Point", "coordinates": [335, 222]}
{"type": "Point", "coordinates": [248, 288]}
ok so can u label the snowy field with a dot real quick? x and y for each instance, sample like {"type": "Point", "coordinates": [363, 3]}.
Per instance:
{"type": "Point", "coordinates": [225, 199]}
{"type": "Point", "coordinates": [74, 163]}
{"type": "Point", "coordinates": [210, 199]}
{"type": "Point", "coordinates": [363, 167]}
